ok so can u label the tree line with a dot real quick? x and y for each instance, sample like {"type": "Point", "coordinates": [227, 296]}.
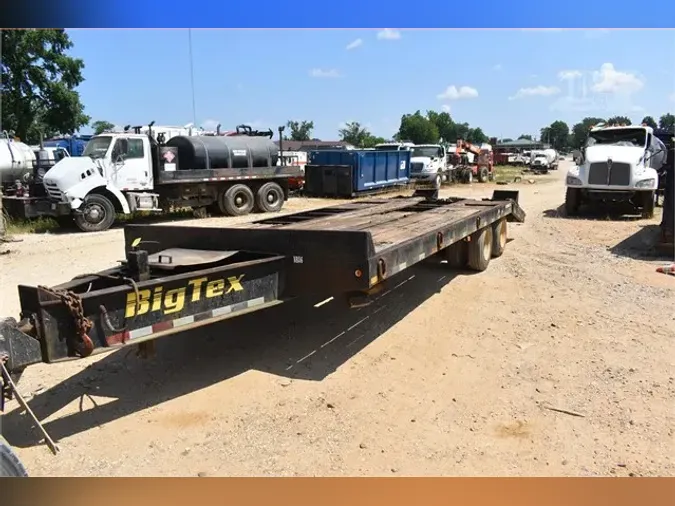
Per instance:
{"type": "Point", "coordinates": [39, 83]}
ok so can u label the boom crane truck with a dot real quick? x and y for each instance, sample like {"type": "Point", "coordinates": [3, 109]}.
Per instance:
{"type": "Point", "coordinates": [126, 172]}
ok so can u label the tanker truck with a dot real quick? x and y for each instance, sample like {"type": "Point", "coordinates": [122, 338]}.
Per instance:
{"type": "Point", "coordinates": [128, 172]}
{"type": "Point", "coordinates": [16, 162]}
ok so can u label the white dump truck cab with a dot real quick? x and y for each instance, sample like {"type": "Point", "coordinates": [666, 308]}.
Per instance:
{"type": "Point", "coordinates": [429, 163]}
{"type": "Point", "coordinates": [618, 164]}
{"type": "Point", "coordinates": [91, 186]}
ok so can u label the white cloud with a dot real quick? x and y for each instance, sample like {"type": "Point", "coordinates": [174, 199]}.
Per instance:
{"type": "Point", "coordinates": [389, 34]}
{"type": "Point", "coordinates": [536, 91]}
{"type": "Point", "coordinates": [210, 124]}
{"type": "Point", "coordinates": [497, 67]}
{"type": "Point", "coordinates": [610, 80]}
{"type": "Point", "coordinates": [455, 93]}
{"type": "Point", "coordinates": [354, 44]}
{"type": "Point", "coordinates": [324, 73]}
{"type": "Point", "coordinates": [567, 75]}
{"type": "Point", "coordinates": [446, 108]}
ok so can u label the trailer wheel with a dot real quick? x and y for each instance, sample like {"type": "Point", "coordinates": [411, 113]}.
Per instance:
{"type": "Point", "coordinates": [97, 214]}
{"type": "Point", "coordinates": [238, 200]}
{"type": "Point", "coordinates": [270, 198]}
{"type": "Point", "coordinates": [572, 201]}
{"type": "Point", "coordinates": [648, 202]}
{"type": "Point", "coordinates": [457, 255]}
{"type": "Point", "coordinates": [499, 230]}
{"type": "Point", "coordinates": [480, 249]}
{"type": "Point", "coordinates": [10, 465]}
{"type": "Point", "coordinates": [483, 175]}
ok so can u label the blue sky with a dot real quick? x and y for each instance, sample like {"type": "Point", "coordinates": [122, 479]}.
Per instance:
{"type": "Point", "coordinates": [508, 82]}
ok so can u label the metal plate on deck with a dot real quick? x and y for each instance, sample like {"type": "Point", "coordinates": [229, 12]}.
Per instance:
{"type": "Point", "coordinates": [171, 258]}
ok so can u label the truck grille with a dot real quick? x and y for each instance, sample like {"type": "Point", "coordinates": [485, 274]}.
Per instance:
{"type": "Point", "coordinates": [416, 167]}
{"type": "Point", "coordinates": [599, 173]}
{"type": "Point", "coordinates": [54, 192]}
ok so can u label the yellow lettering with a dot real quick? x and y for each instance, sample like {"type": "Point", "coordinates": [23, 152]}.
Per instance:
{"type": "Point", "coordinates": [157, 298]}
{"type": "Point", "coordinates": [143, 303]}
{"type": "Point", "coordinates": [235, 284]}
{"type": "Point", "coordinates": [174, 300]}
{"type": "Point", "coordinates": [215, 288]}
{"type": "Point", "coordinates": [197, 288]}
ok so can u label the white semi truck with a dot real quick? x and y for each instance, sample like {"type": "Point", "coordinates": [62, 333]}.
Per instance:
{"type": "Point", "coordinates": [124, 172]}
{"type": "Point", "coordinates": [429, 163]}
{"type": "Point", "coordinates": [618, 164]}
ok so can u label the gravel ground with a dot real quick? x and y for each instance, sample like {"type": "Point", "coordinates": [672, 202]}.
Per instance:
{"type": "Point", "coordinates": [447, 374]}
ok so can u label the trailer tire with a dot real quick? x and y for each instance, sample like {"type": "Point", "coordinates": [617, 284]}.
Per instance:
{"type": "Point", "coordinates": [648, 202]}
{"type": "Point", "coordinates": [499, 238]}
{"type": "Point", "coordinates": [98, 214]}
{"type": "Point", "coordinates": [480, 249]}
{"type": "Point", "coordinates": [572, 201]}
{"type": "Point", "coordinates": [457, 255]}
{"type": "Point", "coordinates": [10, 465]}
{"type": "Point", "coordinates": [483, 175]}
{"type": "Point", "coordinates": [237, 200]}
{"type": "Point", "coordinates": [270, 198]}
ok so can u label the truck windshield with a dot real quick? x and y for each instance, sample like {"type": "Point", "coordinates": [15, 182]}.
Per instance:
{"type": "Point", "coordinates": [619, 137]}
{"type": "Point", "coordinates": [428, 151]}
{"type": "Point", "coordinates": [97, 147]}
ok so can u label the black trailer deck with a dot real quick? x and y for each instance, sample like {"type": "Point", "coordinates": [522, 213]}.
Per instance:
{"type": "Point", "coordinates": [179, 277]}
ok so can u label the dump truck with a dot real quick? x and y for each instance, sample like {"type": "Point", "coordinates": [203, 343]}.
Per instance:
{"type": "Point", "coordinates": [175, 278]}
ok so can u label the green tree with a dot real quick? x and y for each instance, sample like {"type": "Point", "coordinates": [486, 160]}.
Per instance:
{"type": "Point", "coordinates": [38, 84]}
{"type": "Point", "coordinates": [101, 126]}
{"type": "Point", "coordinates": [667, 122]}
{"type": "Point", "coordinates": [372, 140]}
{"type": "Point", "coordinates": [356, 135]}
{"type": "Point", "coordinates": [526, 137]}
{"type": "Point", "coordinates": [300, 130]}
{"type": "Point", "coordinates": [580, 131]}
{"type": "Point", "coordinates": [418, 129]}
{"type": "Point", "coordinates": [619, 120]}
{"type": "Point", "coordinates": [447, 129]}
{"type": "Point", "coordinates": [649, 121]}
{"type": "Point", "coordinates": [476, 136]}
{"type": "Point", "coordinates": [556, 134]}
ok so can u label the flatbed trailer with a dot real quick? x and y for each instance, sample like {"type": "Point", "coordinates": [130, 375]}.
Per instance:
{"type": "Point", "coordinates": [179, 277]}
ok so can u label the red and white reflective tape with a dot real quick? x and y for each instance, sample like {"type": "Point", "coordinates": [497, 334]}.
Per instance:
{"type": "Point", "coordinates": [130, 335]}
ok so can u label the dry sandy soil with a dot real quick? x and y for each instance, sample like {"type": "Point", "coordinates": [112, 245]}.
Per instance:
{"type": "Point", "coordinates": [449, 373]}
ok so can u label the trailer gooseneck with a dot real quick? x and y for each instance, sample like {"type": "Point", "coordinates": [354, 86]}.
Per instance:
{"type": "Point", "coordinates": [177, 277]}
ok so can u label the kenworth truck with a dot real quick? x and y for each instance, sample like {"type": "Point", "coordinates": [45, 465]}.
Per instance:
{"type": "Point", "coordinates": [127, 172]}
{"type": "Point", "coordinates": [618, 164]}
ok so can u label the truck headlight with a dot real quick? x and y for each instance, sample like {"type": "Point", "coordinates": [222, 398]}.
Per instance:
{"type": "Point", "coordinates": [646, 183]}
{"type": "Point", "coordinates": [573, 181]}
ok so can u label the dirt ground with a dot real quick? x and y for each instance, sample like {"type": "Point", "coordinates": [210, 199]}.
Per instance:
{"type": "Point", "coordinates": [448, 373]}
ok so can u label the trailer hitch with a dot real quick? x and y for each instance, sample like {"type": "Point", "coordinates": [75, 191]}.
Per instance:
{"type": "Point", "coordinates": [83, 346]}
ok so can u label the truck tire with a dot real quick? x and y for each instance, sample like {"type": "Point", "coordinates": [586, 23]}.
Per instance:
{"type": "Point", "coordinates": [483, 175]}
{"type": "Point", "coordinates": [10, 465]}
{"type": "Point", "coordinates": [238, 200]}
{"type": "Point", "coordinates": [499, 237]}
{"type": "Point", "coordinates": [98, 214]}
{"type": "Point", "coordinates": [572, 201]}
{"type": "Point", "coordinates": [457, 255]}
{"type": "Point", "coordinates": [480, 249]}
{"type": "Point", "coordinates": [269, 198]}
{"type": "Point", "coordinates": [648, 201]}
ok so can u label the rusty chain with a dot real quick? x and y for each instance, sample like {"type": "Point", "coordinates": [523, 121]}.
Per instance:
{"type": "Point", "coordinates": [84, 346]}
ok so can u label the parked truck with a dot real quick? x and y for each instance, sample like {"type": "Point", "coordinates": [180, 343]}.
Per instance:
{"type": "Point", "coordinates": [430, 163]}
{"type": "Point", "coordinates": [127, 172]}
{"type": "Point", "coordinates": [619, 164]}
{"type": "Point", "coordinates": [175, 278]}
{"type": "Point", "coordinates": [543, 160]}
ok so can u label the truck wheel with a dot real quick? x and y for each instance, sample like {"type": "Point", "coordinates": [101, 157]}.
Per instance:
{"type": "Point", "coordinates": [483, 175]}
{"type": "Point", "coordinates": [10, 465]}
{"type": "Point", "coordinates": [270, 198]}
{"type": "Point", "coordinates": [97, 214]}
{"type": "Point", "coordinates": [648, 202]}
{"type": "Point", "coordinates": [438, 182]}
{"type": "Point", "coordinates": [457, 255]}
{"type": "Point", "coordinates": [499, 230]}
{"type": "Point", "coordinates": [480, 249]}
{"type": "Point", "coordinates": [238, 200]}
{"type": "Point", "coordinates": [572, 201]}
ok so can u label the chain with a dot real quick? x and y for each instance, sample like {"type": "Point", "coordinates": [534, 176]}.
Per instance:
{"type": "Point", "coordinates": [82, 324]}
